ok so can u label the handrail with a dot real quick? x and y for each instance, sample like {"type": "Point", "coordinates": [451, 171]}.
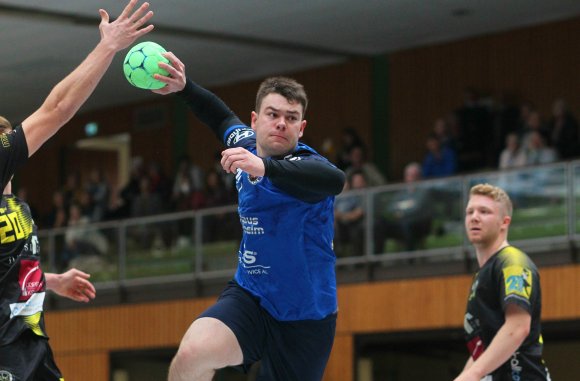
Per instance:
{"type": "Point", "coordinates": [202, 244]}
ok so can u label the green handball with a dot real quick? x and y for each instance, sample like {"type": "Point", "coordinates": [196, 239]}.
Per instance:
{"type": "Point", "coordinates": [140, 65]}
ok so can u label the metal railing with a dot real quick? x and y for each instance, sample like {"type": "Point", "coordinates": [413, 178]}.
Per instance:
{"type": "Point", "coordinates": [203, 244]}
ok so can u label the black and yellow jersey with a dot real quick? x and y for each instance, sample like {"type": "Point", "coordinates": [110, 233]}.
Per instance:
{"type": "Point", "coordinates": [22, 282]}
{"type": "Point", "coordinates": [509, 276]}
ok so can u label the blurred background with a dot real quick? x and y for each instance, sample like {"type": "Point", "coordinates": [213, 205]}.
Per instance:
{"type": "Point", "coordinates": [415, 102]}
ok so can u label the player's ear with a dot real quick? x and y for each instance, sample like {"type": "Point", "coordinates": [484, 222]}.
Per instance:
{"type": "Point", "coordinates": [254, 118]}
{"type": "Point", "coordinates": [302, 127]}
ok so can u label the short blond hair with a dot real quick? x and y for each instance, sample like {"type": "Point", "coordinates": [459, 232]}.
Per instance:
{"type": "Point", "coordinates": [495, 193]}
{"type": "Point", "coordinates": [5, 125]}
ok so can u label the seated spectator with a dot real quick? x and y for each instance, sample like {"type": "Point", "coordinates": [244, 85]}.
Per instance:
{"type": "Point", "coordinates": [79, 240]}
{"type": "Point", "coordinates": [439, 161]}
{"type": "Point", "coordinates": [538, 152]}
{"type": "Point", "coordinates": [563, 128]}
{"type": "Point", "coordinates": [407, 216]}
{"type": "Point", "coordinates": [349, 217]}
{"type": "Point", "coordinates": [188, 186]}
{"type": "Point", "coordinates": [513, 155]}
{"type": "Point", "coordinates": [442, 132]}
{"type": "Point", "coordinates": [148, 203]}
{"type": "Point", "coordinates": [99, 193]}
{"type": "Point", "coordinates": [219, 226]}
{"type": "Point", "coordinates": [359, 162]}
{"type": "Point", "coordinates": [534, 124]}
{"type": "Point", "coordinates": [57, 215]}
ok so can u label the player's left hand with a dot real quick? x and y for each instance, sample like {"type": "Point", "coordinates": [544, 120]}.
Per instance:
{"type": "Point", "coordinates": [234, 158]}
{"type": "Point", "coordinates": [74, 285]}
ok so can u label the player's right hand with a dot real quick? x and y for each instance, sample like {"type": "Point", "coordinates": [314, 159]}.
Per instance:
{"type": "Point", "coordinates": [176, 78]}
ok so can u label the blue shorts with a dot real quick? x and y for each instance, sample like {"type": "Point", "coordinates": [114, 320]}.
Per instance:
{"type": "Point", "coordinates": [288, 350]}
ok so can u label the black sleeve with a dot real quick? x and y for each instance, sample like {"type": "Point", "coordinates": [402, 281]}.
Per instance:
{"type": "Point", "coordinates": [209, 108]}
{"type": "Point", "coordinates": [309, 180]}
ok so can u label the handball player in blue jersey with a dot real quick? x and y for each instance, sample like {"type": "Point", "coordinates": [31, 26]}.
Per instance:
{"type": "Point", "coordinates": [25, 354]}
{"type": "Point", "coordinates": [281, 306]}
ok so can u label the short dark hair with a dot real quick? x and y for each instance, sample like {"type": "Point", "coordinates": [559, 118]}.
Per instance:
{"type": "Point", "coordinates": [286, 87]}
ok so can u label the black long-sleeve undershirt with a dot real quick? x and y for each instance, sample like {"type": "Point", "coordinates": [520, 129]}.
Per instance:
{"type": "Point", "coordinates": [306, 178]}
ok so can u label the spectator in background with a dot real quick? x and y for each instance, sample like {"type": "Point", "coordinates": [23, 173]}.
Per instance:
{"type": "Point", "coordinates": [146, 203]}
{"type": "Point", "coordinates": [228, 179]}
{"type": "Point", "coordinates": [218, 226]}
{"type": "Point", "coordinates": [99, 193]}
{"type": "Point", "coordinates": [538, 152]}
{"type": "Point", "coordinates": [58, 215]}
{"type": "Point", "coordinates": [349, 217]}
{"type": "Point", "coordinates": [407, 216]}
{"type": "Point", "coordinates": [442, 132]}
{"type": "Point", "coordinates": [513, 155]}
{"type": "Point", "coordinates": [79, 240]}
{"type": "Point", "coordinates": [563, 130]}
{"type": "Point", "coordinates": [439, 161]}
{"type": "Point", "coordinates": [525, 110]}
{"type": "Point", "coordinates": [159, 183]}
{"type": "Point", "coordinates": [128, 194]}
{"type": "Point", "coordinates": [504, 119]}
{"type": "Point", "coordinates": [349, 139]}
{"type": "Point", "coordinates": [474, 124]}
{"type": "Point", "coordinates": [71, 189]}
{"type": "Point", "coordinates": [187, 186]}
{"type": "Point", "coordinates": [358, 162]}
{"type": "Point", "coordinates": [534, 124]}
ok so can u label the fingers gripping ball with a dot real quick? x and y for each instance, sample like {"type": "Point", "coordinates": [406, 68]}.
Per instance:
{"type": "Point", "coordinates": [140, 65]}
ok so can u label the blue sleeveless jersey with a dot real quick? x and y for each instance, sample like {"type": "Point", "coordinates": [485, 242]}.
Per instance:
{"type": "Point", "coordinates": [285, 257]}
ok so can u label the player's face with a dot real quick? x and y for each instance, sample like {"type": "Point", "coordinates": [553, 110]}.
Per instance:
{"type": "Point", "coordinates": [278, 125]}
{"type": "Point", "coordinates": [485, 221]}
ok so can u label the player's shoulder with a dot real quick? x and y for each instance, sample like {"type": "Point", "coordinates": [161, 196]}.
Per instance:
{"type": "Point", "coordinates": [513, 256]}
{"type": "Point", "coordinates": [305, 152]}
{"type": "Point", "coordinates": [239, 135]}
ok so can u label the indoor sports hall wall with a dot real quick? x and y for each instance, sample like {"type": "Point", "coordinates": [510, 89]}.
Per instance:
{"type": "Point", "coordinates": [537, 63]}
{"type": "Point", "coordinates": [83, 339]}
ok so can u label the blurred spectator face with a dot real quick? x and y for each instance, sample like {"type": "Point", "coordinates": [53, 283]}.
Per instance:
{"type": "Point", "coordinates": [356, 156]}
{"type": "Point", "coordinates": [536, 140]}
{"type": "Point", "coordinates": [433, 145]}
{"type": "Point", "coordinates": [559, 108]}
{"type": "Point", "coordinates": [412, 173]}
{"type": "Point", "coordinates": [440, 127]}
{"type": "Point", "coordinates": [358, 181]}
{"type": "Point", "coordinates": [534, 120]}
{"type": "Point", "coordinates": [512, 142]}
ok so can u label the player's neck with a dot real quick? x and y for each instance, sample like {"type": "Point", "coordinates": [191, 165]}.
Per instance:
{"type": "Point", "coordinates": [484, 252]}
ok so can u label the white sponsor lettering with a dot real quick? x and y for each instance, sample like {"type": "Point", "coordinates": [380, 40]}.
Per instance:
{"type": "Point", "coordinates": [30, 307]}
{"type": "Point", "coordinates": [251, 225]}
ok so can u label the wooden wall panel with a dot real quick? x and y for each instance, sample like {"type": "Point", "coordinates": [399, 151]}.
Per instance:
{"type": "Point", "coordinates": [340, 365]}
{"type": "Point", "coordinates": [390, 306]}
{"type": "Point", "coordinates": [85, 366]}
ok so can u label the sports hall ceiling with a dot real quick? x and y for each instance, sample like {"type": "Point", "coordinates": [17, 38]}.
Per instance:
{"type": "Point", "coordinates": [226, 41]}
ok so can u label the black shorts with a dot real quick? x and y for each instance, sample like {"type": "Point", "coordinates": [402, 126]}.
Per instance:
{"type": "Point", "coordinates": [28, 359]}
{"type": "Point", "coordinates": [288, 350]}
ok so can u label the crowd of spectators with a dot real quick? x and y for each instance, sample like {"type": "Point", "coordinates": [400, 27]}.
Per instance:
{"type": "Point", "coordinates": [480, 134]}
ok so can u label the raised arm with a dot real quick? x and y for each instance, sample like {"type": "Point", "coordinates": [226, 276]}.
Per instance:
{"type": "Point", "coordinates": [71, 93]}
